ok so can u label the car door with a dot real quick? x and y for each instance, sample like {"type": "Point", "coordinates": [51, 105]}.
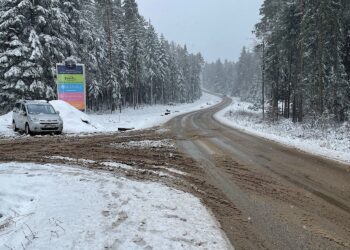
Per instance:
{"type": "Point", "coordinates": [22, 117]}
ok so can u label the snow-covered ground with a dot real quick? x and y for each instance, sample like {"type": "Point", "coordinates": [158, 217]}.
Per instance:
{"type": "Point", "coordinates": [145, 144]}
{"type": "Point", "coordinates": [60, 207]}
{"type": "Point", "coordinates": [150, 116]}
{"type": "Point", "coordinates": [330, 143]}
{"type": "Point", "coordinates": [76, 122]}
{"type": "Point", "coordinates": [5, 125]}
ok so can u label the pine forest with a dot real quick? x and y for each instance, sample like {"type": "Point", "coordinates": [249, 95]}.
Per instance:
{"type": "Point", "coordinates": [127, 62]}
{"type": "Point", "coordinates": [300, 66]}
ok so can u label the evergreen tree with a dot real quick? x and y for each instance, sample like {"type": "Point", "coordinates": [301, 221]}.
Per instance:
{"type": "Point", "coordinates": [151, 60]}
{"type": "Point", "coordinates": [33, 37]}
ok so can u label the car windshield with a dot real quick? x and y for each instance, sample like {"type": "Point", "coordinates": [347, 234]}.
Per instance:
{"type": "Point", "coordinates": [40, 109]}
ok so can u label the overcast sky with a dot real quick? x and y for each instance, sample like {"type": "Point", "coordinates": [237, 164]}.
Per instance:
{"type": "Point", "coordinates": [216, 28]}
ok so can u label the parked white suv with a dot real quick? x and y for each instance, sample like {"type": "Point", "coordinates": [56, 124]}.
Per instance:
{"type": "Point", "coordinates": [36, 117]}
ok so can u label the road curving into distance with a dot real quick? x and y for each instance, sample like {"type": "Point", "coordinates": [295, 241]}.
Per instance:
{"type": "Point", "coordinates": [287, 199]}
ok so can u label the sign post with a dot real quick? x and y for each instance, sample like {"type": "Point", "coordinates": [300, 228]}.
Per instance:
{"type": "Point", "coordinates": [71, 85]}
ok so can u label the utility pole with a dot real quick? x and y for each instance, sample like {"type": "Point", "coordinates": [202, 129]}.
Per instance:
{"type": "Point", "coordinates": [263, 79]}
{"type": "Point", "coordinates": [300, 104]}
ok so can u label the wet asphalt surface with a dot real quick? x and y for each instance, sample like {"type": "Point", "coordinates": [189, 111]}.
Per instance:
{"type": "Point", "coordinates": [285, 198]}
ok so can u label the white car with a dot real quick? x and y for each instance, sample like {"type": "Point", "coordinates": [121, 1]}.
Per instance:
{"type": "Point", "coordinates": [36, 117]}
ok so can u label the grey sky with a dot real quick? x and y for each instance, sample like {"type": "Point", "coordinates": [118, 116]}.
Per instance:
{"type": "Point", "coordinates": [216, 28]}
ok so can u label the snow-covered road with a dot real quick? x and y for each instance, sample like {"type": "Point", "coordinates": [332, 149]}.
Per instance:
{"type": "Point", "coordinates": [60, 207]}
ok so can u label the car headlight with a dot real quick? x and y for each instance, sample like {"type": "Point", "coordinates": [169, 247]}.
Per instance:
{"type": "Point", "coordinates": [34, 119]}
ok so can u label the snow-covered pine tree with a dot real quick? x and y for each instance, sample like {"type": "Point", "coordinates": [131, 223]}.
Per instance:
{"type": "Point", "coordinates": [306, 56]}
{"type": "Point", "coordinates": [185, 69]}
{"type": "Point", "coordinates": [135, 66]}
{"type": "Point", "coordinates": [196, 65]}
{"type": "Point", "coordinates": [13, 49]}
{"type": "Point", "coordinates": [132, 28]}
{"type": "Point", "coordinates": [164, 71]}
{"type": "Point", "coordinates": [346, 33]}
{"type": "Point", "coordinates": [325, 75]}
{"type": "Point", "coordinates": [108, 12]}
{"type": "Point", "coordinates": [90, 51]}
{"type": "Point", "coordinates": [174, 75]}
{"type": "Point", "coordinates": [33, 40]}
{"type": "Point", "coordinates": [218, 81]}
{"type": "Point", "coordinates": [123, 67]}
{"type": "Point", "coordinates": [151, 61]}
{"type": "Point", "coordinates": [291, 89]}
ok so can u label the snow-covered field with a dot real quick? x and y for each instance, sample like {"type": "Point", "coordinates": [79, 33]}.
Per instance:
{"type": "Point", "coordinates": [59, 207]}
{"type": "Point", "coordinates": [330, 143]}
{"type": "Point", "coordinates": [76, 122]}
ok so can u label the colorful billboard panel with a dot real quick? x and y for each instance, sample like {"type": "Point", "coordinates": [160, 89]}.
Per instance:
{"type": "Point", "coordinates": [74, 97]}
{"type": "Point", "coordinates": [71, 86]}
{"type": "Point", "coordinates": [70, 78]}
{"type": "Point", "coordinates": [63, 69]}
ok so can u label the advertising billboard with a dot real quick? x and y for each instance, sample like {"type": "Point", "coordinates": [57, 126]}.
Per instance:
{"type": "Point", "coordinates": [71, 86]}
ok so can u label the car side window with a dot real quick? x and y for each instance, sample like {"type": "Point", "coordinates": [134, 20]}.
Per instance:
{"type": "Point", "coordinates": [23, 108]}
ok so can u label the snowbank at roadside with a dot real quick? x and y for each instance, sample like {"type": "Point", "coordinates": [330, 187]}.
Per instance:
{"type": "Point", "coordinates": [77, 122]}
{"type": "Point", "coordinates": [60, 207]}
{"type": "Point", "coordinates": [330, 143]}
{"type": "Point", "coordinates": [6, 125]}
{"type": "Point", "coordinates": [150, 116]}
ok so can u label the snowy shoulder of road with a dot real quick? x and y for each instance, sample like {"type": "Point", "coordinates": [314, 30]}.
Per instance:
{"type": "Point", "coordinates": [6, 125]}
{"type": "Point", "coordinates": [150, 116]}
{"type": "Point", "coordinates": [331, 143]}
{"type": "Point", "coordinates": [76, 122]}
{"type": "Point", "coordinates": [59, 207]}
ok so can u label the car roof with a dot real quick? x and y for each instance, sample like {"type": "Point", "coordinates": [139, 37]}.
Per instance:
{"type": "Point", "coordinates": [42, 102]}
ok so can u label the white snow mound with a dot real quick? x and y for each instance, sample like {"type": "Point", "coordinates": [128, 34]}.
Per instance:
{"type": "Point", "coordinates": [75, 121]}
{"type": "Point", "coordinates": [5, 125]}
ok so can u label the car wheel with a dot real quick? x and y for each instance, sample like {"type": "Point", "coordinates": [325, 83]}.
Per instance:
{"type": "Point", "coordinates": [14, 126]}
{"type": "Point", "coordinates": [27, 130]}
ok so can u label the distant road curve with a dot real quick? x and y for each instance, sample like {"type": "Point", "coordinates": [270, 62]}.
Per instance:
{"type": "Point", "coordinates": [294, 200]}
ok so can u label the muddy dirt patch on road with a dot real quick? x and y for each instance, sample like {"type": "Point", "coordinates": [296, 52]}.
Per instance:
{"type": "Point", "coordinates": [149, 155]}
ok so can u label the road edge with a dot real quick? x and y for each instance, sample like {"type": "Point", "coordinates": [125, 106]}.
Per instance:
{"type": "Point", "coordinates": [301, 150]}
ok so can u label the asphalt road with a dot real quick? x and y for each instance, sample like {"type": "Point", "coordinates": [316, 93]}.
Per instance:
{"type": "Point", "coordinates": [285, 198]}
